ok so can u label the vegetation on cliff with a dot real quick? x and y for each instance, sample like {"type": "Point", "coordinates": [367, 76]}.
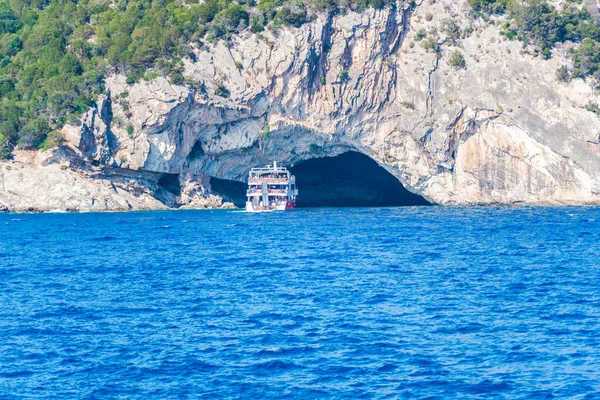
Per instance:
{"type": "Point", "coordinates": [54, 54]}
{"type": "Point", "coordinates": [537, 23]}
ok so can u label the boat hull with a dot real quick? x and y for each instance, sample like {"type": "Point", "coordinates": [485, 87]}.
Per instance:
{"type": "Point", "coordinates": [287, 206]}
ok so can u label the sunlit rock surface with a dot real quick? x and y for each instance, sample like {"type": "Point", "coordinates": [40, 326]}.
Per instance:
{"type": "Point", "coordinates": [501, 131]}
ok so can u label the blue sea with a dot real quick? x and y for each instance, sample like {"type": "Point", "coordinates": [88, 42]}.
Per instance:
{"type": "Point", "coordinates": [423, 302]}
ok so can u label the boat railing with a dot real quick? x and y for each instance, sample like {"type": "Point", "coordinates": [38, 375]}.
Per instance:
{"type": "Point", "coordinates": [270, 192]}
{"type": "Point", "coordinates": [268, 180]}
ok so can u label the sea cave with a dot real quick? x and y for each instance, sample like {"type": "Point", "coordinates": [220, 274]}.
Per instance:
{"type": "Point", "coordinates": [350, 179]}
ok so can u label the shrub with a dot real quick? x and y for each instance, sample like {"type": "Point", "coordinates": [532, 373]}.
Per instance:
{"type": "Point", "coordinates": [286, 17]}
{"type": "Point", "coordinates": [540, 24]}
{"type": "Point", "coordinates": [510, 34]}
{"type": "Point", "coordinates": [430, 44]}
{"type": "Point", "coordinates": [265, 131]}
{"type": "Point", "coordinates": [9, 21]}
{"type": "Point", "coordinates": [229, 20]}
{"type": "Point", "coordinates": [129, 130]}
{"type": "Point", "coordinates": [70, 65]}
{"type": "Point", "coordinates": [34, 133]}
{"type": "Point", "coordinates": [586, 59]}
{"type": "Point", "coordinates": [343, 76]}
{"type": "Point", "coordinates": [488, 6]}
{"type": "Point", "coordinates": [7, 86]}
{"type": "Point", "coordinates": [457, 60]}
{"type": "Point", "coordinates": [150, 76]}
{"type": "Point", "coordinates": [53, 139]}
{"type": "Point", "coordinates": [451, 29]}
{"type": "Point", "coordinates": [408, 104]}
{"type": "Point", "coordinates": [131, 78]}
{"type": "Point", "coordinates": [256, 26]}
{"type": "Point", "coordinates": [4, 148]}
{"type": "Point", "coordinates": [592, 107]}
{"type": "Point", "coordinates": [222, 91]}
{"type": "Point", "coordinates": [563, 75]}
{"type": "Point", "coordinates": [176, 77]}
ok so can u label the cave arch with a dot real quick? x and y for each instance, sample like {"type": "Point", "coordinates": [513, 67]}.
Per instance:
{"type": "Point", "coordinates": [350, 179]}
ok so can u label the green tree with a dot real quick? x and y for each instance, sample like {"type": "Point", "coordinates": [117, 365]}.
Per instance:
{"type": "Point", "coordinates": [4, 148]}
{"type": "Point", "coordinates": [7, 86]}
{"type": "Point", "coordinates": [208, 10]}
{"type": "Point", "coordinates": [586, 58]}
{"type": "Point", "coordinates": [70, 66]}
{"type": "Point", "coordinates": [9, 21]}
{"type": "Point", "coordinates": [54, 54]}
{"type": "Point", "coordinates": [34, 133]}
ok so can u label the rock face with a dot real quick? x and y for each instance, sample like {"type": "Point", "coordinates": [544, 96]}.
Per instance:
{"type": "Point", "coordinates": [58, 181]}
{"type": "Point", "coordinates": [501, 131]}
{"type": "Point", "coordinates": [53, 181]}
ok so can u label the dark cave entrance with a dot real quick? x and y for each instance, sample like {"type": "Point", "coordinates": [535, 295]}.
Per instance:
{"type": "Point", "coordinates": [170, 183]}
{"type": "Point", "coordinates": [232, 191]}
{"type": "Point", "coordinates": [351, 179]}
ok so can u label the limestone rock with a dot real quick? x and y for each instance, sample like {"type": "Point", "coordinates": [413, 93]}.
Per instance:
{"type": "Point", "coordinates": [94, 138]}
{"type": "Point", "coordinates": [501, 131]}
{"type": "Point", "coordinates": [196, 196]}
{"type": "Point", "coordinates": [49, 182]}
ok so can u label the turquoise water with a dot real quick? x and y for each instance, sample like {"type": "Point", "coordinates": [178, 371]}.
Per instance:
{"type": "Point", "coordinates": [425, 302]}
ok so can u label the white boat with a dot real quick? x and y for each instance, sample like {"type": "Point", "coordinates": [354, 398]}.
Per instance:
{"type": "Point", "coordinates": [271, 188]}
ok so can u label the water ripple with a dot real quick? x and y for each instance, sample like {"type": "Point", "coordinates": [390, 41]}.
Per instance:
{"type": "Point", "coordinates": [320, 303]}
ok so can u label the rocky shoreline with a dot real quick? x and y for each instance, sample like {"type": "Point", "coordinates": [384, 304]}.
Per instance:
{"type": "Point", "coordinates": [57, 180]}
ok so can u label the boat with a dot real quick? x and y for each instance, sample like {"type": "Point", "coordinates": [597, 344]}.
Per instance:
{"type": "Point", "coordinates": [271, 188]}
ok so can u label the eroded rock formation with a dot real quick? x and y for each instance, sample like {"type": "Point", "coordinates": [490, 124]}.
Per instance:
{"type": "Point", "coordinates": [501, 131]}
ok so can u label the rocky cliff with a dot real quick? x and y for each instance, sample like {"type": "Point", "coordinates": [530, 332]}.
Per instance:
{"type": "Point", "coordinates": [500, 131]}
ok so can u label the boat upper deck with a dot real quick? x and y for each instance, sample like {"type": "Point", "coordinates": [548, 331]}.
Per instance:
{"type": "Point", "coordinates": [259, 181]}
{"type": "Point", "coordinates": [270, 174]}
